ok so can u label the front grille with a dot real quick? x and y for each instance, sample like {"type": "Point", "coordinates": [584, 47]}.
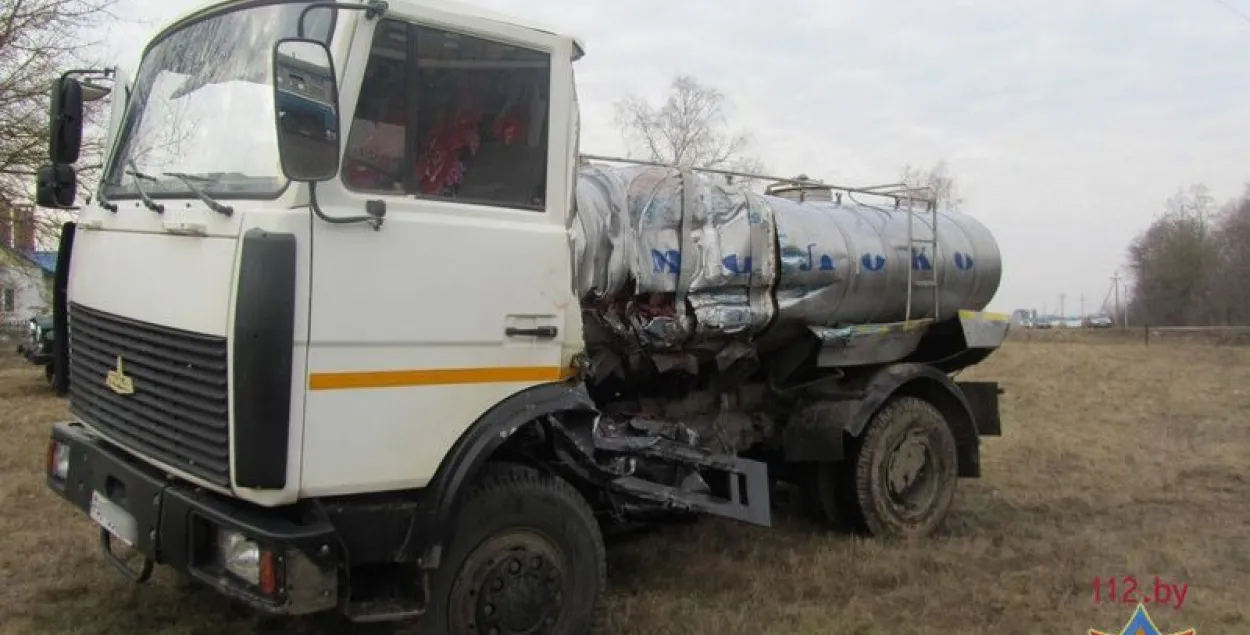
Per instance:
{"type": "Point", "coordinates": [178, 412]}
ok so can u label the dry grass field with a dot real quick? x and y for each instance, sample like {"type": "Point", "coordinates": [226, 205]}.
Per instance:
{"type": "Point", "coordinates": [1117, 460]}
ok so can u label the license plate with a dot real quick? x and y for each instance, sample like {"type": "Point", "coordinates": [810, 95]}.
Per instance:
{"type": "Point", "coordinates": [115, 520]}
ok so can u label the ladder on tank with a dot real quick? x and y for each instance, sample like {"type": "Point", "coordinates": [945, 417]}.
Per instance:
{"type": "Point", "coordinates": [917, 249]}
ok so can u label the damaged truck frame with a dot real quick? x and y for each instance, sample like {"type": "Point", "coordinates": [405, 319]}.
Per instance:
{"type": "Point", "coordinates": [414, 370]}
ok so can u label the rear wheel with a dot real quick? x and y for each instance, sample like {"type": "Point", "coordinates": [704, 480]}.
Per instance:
{"type": "Point", "coordinates": [526, 556]}
{"type": "Point", "coordinates": [903, 470]}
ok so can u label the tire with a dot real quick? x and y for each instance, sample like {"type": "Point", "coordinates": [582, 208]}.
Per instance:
{"type": "Point", "coordinates": [911, 430]}
{"type": "Point", "coordinates": [824, 497]}
{"type": "Point", "coordinates": [526, 556]}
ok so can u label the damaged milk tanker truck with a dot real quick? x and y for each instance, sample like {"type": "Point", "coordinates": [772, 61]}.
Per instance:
{"type": "Point", "coordinates": [350, 324]}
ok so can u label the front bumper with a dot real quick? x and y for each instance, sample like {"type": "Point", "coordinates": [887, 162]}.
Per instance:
{"type": "Point", "coordinates": [176, 524]}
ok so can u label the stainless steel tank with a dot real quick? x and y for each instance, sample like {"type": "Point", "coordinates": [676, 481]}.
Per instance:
{"type": "Point", "coordinates": [746, 261]}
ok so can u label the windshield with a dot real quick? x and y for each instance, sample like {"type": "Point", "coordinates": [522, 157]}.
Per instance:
{"type": "Point", "coordinates": [202, 106]}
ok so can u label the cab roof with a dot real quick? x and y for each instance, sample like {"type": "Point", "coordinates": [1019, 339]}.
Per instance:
{"type": "Point", "coordinates": [447, 6]}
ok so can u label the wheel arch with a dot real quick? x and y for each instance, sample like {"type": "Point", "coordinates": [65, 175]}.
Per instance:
{"type": "Point", "coordinates": [821, 432]}
{"type": "Point", "coordinates": [475, 448]}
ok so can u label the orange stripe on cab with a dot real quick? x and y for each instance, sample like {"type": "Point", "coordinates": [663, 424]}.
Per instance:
{"type": "Point", "coordinates": [435, 377]}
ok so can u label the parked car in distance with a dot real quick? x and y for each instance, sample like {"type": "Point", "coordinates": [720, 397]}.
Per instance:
{"type": "Point", "coordinates": [38, 349]}
{"type": "Point", "coordinates": [1098, 322]}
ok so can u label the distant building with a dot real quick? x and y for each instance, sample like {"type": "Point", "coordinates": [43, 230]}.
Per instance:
{"type": "Point", "coordinates": [26, 273]}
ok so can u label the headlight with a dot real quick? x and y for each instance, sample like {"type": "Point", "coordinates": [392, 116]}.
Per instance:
{"type": "Point", "coordinates": [239, 555]}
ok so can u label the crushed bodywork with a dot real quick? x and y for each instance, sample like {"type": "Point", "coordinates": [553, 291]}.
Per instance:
{"type": "Point", "coordinates": [648, 465]}
{"type": "Point", "coordinates": [675, 269]}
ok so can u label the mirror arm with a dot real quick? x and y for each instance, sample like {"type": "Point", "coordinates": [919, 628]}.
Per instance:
{"type": "Point", "coordinates": [376, 211]}
{"type": "Point", "coordinates": [372, 9]}
{"type": "Point", "coordinates": [103, 73]}
{"type": "Point", "coordinates": [84, 74]}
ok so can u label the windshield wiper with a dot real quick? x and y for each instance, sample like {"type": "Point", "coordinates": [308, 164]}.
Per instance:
{"type": "Point", "coordinates": [147, 200]}
{"type": "Point", "coordinates": [105, 202]}
{"type": "Point", "coordinates": [189, 180]}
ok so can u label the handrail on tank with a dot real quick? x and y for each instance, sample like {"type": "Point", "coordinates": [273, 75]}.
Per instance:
{"type": "Point", "coordinates": [895, 191]}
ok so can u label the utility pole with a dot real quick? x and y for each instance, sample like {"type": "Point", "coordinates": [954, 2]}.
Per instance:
{"type": "Point", "coordinates": [1115, 280]}
{"type": "Point", "coordinates": [1062, 315]}
{"type": "Point", "coordinates": [1082, 315]}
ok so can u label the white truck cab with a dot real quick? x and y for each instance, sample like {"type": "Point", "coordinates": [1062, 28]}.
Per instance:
{"type": "Point", "coordinates": [323, 345]}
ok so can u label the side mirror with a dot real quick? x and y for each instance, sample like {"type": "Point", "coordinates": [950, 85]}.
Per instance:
{"type": "Point", "coordinates": [56, 186]}
{"type": "Point", "coordinates": [65, 121]}
{"type": "Point", "coordinates": [306, 109]}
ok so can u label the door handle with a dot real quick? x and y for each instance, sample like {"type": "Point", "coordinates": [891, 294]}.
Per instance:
{"type": "Point", "coordinates": [545, 332]}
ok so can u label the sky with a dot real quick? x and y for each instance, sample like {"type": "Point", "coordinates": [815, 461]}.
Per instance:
{"type": "Point", "coordinates": [1066, 123]}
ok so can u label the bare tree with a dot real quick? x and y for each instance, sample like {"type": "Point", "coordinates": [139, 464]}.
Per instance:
{"type": "Point", "coordinates": [39, 40]}
{"type": "Point", "coordinates": [689, 128]}
{"type": "Point", "coordinates": [1190, 264]}
{"type": "Point", "coordinates": [940, 181]}
{"type": "Point", "coordinates": [1229, 288]}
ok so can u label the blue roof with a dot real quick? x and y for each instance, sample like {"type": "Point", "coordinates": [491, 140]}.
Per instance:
{"type": "Point", "coordinates": [45, 260]}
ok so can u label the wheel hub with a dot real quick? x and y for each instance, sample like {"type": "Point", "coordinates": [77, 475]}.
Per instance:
{"type": "Point", "coordinates": [906, 463]}
{"type": "Point", "coordinates": [511, 585]}
{"type": "Point", "coordinates": [908, 475]}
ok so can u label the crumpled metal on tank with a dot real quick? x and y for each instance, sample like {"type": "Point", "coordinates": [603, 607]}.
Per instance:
{"type": "Point", "coordinates": [648, 241]}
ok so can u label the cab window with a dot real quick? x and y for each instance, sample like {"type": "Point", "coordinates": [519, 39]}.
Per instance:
{"type": "Point", "coordinates": [450, 116]}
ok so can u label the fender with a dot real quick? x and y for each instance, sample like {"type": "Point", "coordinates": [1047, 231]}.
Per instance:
{"type": "Point", "coordinates": [890, 379]}
{"type": "Point", "coordinates": [475, 447]}
{"type": "Point", "coordinates": [815, 432]}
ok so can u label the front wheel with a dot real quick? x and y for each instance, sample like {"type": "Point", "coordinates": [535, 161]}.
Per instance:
{"type": "Point", "coordinates": [903, 470]}
{"type": "Point", "coordinates": [527, 557]}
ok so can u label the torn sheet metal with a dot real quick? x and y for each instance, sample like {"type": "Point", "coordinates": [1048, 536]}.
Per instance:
{"type": "Point", "coordinates": [660, 464]}
{"type": "Point", "coordinates": [647, 241]}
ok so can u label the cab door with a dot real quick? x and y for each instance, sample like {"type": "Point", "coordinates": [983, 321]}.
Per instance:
{"type": "Point", "coordinates": [458, 300]}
